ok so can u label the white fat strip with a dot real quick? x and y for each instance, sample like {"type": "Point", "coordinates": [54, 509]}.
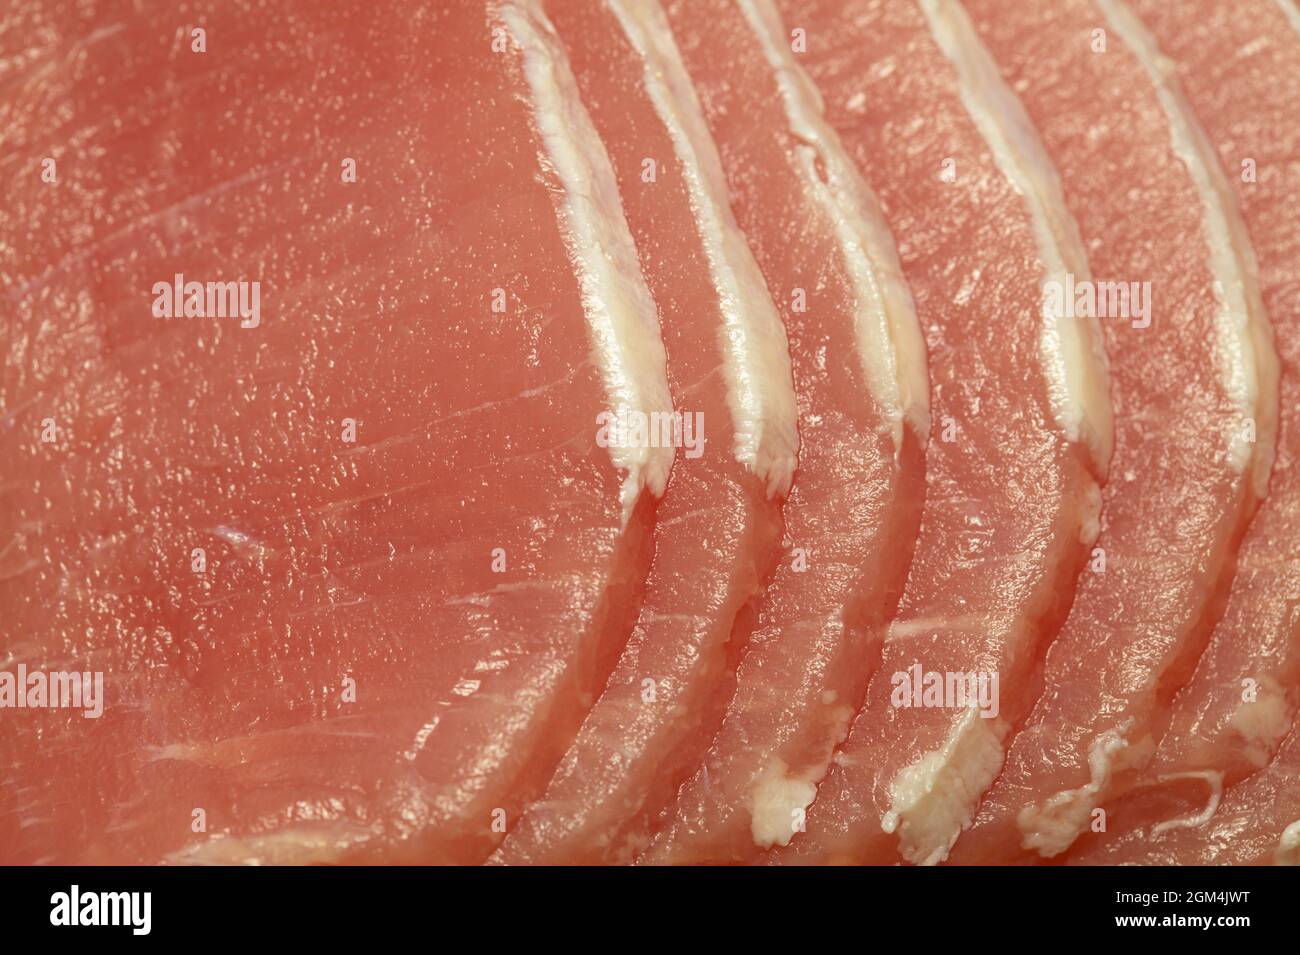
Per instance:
{"type": "Point", "coordinates": [934, 798]}
{"type": "Point", "coordinates": [1073, 355]}
{"type": "Point", "coordinates": [1051, 827]}
{"type": "Point", "coordinates": [622, 319]}
{"type": "Point", "coordinates": [891, 348]}
{"type": "Point", "coordinates": [1244, 337]}
{"type": "Point", "coordinates": [756, 365]}
{"type": "Point", "coordinates": [1213, 781]}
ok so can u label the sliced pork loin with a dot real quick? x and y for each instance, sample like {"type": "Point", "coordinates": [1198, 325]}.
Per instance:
{"type": "Point", "coordinates": [318, 643]}
{"type": "Point", "coordinates": [1194, 379]}
{"type": "Point", "coordinates": [464, 541]}
{"type": "Point", "coordinates": [1232, 714]}
{"type": "Point", "coordinates": [1230, 718]}
{"type": "Point", "coordinates": [720, 528]}
{"type": "Point", "coordinates": [859, 370]}
{"type": "Point", "coordinates": [1020, 435]}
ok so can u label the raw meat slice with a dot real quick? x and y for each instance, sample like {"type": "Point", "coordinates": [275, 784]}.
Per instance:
{"type": "Point", "coordinates": [1021, 424]}
{"type": "Point", "coordinates": [307, 651]}
{"type": "Point", "coordinates": [719, 526]}
{"type": "Point", "coordinates": [1184, 482]}
{"type": "Point", "coordinates": [859, 370]}
{"type": "Point", "coordinates": [1229, 719]}
{"type": "Point", "coordinates": [1255, 822]}
{"type": "Point", "coordinates": [1224, 56]}
{"type": "Point", "coordinates": [356, 535]}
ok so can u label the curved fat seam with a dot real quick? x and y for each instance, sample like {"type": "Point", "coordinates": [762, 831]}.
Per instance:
{"type": "Point", "coordinates": [777, 797]}
{"type": "Point", "coordinates": [1213, 779]}
{"type": "Point", "coordinates": [1249, 365]}
{"type": "Point", "coordinates": [890, 345]}
{"type": "Point", "coordinates": [1071, 348]}
{"type": "Point", "coordinates": [1052, 826]}
{"type": "Point", "coordinates": [621, 315]}
{"type": "Point", "coordinates": [932, 800]}
{"type": "Point", "coordinates": [776, 794]}
{"type": "Point", "coordinates": [760, 387]}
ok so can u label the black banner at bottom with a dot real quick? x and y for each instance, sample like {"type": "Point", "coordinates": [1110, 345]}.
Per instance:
{"type": "Point", "coordinates": [950, 907]}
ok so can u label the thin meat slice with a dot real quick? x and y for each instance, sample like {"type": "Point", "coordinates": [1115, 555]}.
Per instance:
{"type": "Point", "coordinates": [859, 370]}
{"type": "Point", "coordinates": [1230, 718]}
{"type": "Point", "coordinates": [1021, 427]}
{"type": "Point", "coordinates": [1255, 822]}
{"type": "Point", "coordinates": [347, 606]}
{"type": "Point", "coordinates": [719, 527]}
{"type": "Point", "coordinates": [1194, 379]}
{"type": "Point", "coordinates": [1233, 713]}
